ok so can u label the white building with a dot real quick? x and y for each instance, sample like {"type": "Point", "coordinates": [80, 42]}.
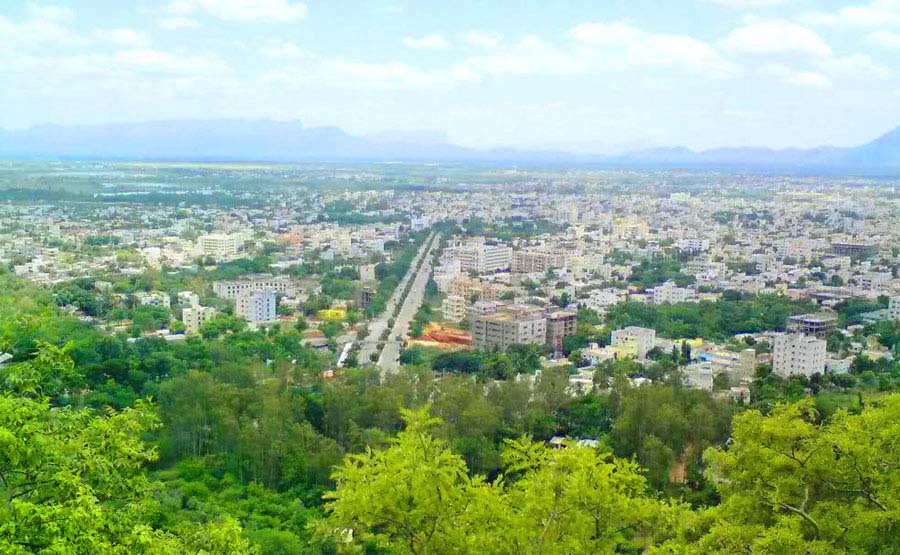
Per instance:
{"type": "Point", "coordinates": [219, 245]}
{"type": "Point", "coordinates": [155, 298]}
{"type": "Point", "coordinates": [453, 308]}
{"type": "Point", "coordinates": [483, 258]}
{"type": "Point", "coordinates": [669, 293]}
{"type": "Point", "coordinates": [634, 341]}
{"type": "Point", "coordinates": [256, 306]}
{"type": "Point", "coordinates": [894, 308]}
{"type": "Point", "coordinates": [797, 353]}
{"type": "Point", "coordinates": [193, 317]}
{"type": "Point", "coordinates": [232, 289]}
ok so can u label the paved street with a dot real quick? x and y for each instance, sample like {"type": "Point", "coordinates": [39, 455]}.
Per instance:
{"type": "Point", "coordinates": [389, 360]}
{"type": "Point", "coordinates": [379, 324]}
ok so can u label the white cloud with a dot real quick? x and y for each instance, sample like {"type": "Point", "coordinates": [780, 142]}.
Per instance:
{"type": "Point", "coordinates": [859, 66]}
{"type": "Point", "coordinates": [636, 47]}
{"type": "Point", "coordinates": [809, 79]}
{"type": "Point", "coordinates": [884, 39]}
{"type": "Point", "coordinates": [176, 23]}
{"type": "Point", "coordinates": [43, 26]}
{"type": "Point", "coordinates": [275, 11]}
{"type": "Point", "coordinates": [50, 12]}
{"type": "Point", "coordinates": [482, 39]}
{"type": "Point", "coordinates": [436, 42]}
{"type": "Point", "coordinates": [167, 63]}
{"type": "Point", "coordinates": [283, 50]}
{"type": "Point", "coordinates": [121, 36]}
{"type": "Point", "coordinates": [387, 75]}
{"type": "Point", "coordinates": [877, 13]}
{"type": "Point", "coordinates": [775, 37]}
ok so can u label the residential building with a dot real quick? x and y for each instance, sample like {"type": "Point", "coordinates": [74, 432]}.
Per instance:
{"type": "Point", "coordinates": [232, 289]}
{"type": "Point", "coordinates": [528, 261]}
{"type": "Point", "coordinates": [820, 324]}
{"type": "Point", "coordinates": [798, 353]}
{"type": "Point", "coordinates": [507, 326]}
{"type": "Point", "coordinates": [154, 298]}
{"type": "Point", "coordinates": [193, 317]}
{"type": "Point", "coordinates": [219, 245]}
{"type": "Point", "coordinates": [453, 308]}
{"type": "Point", "coordinates": [560, 324]}
{"type": "Point", "coordinates": [894, 308]}
{"type": "Point", "coordinates": [256, 306]}
{"type": "Point", "coordinates": [483, 258]}
{"type": "Point", "coordinates": [633, 341]}
{"type": "Point", "coordinates": [669, 293]}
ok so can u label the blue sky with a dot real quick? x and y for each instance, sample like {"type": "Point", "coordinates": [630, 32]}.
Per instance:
{"type": "Point", "coordinates": [583, 75]}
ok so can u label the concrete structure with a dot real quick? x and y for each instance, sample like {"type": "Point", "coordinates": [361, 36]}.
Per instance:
{"type": "Point", "coordinates": [256, 306]}
{"type": "Point", "coordinates": [820, 324]}
{"type": "Point", "coordinates": [367, 272]}
{"type": "Point", "coordinates": [528, 261]}
{"type": "Point", "coordinates": [233, 289]}
{"type": "Point", "coordinates": [507, 326]}
{"type": "Point", "coordinates": [634, 341]}
{"type": "Point", "coordinates": [193, 317]}
{"type": "Point", "coordinates": [560, 324]}
{"type": "Point", "coordinates": [483, 258]}
{"type": "Point", "coordinates": [155, 298]}
{"type": "Point", "coordinates": [894, 308]}
{"type": "Point", "coordinates": [219, 245]}
{"type": "Point", "coordinates": [453, 308]}
{"type": "Point", "coordinates": [669, 293]}
{"type": "Point", "coordinates": [362, 297]}
{"type": "Point", "coordinates": [797, 353]}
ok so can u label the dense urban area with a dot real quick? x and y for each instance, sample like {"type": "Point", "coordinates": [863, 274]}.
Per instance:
{"type": "Point", "coordinates": [393, 358]}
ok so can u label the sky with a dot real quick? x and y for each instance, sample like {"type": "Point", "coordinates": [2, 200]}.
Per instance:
{"type": "Point", "coordinates": [592, 76]}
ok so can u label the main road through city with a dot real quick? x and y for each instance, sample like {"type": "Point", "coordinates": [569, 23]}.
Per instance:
{"type": "Point", "coordinates": [376, 327]}
{"type": "Point", "coordinates": [389, 361]}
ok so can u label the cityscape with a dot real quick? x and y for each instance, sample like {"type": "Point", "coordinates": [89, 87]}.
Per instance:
{"type": "Point", "coordinates": [599, 281]}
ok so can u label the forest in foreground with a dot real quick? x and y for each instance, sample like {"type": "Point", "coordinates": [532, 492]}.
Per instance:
{"type": "Point", "coordinates": [236, 444]}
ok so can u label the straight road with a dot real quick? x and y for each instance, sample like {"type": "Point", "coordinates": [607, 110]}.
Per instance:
{"type": "Point", "coordinates": [389, 361]}
{"type": "Point", "coordinates": [376, 327]}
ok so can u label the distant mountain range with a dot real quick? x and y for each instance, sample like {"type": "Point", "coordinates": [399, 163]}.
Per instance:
{"type": "Point", "coordinates": [263, 140]}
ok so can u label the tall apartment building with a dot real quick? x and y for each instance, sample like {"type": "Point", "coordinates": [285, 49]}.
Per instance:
{"type": "Point", "coordinates": [894, 308]}
{"type": "Point", "coordinates": [466, 287]}
{"type": "Point", "coordinates": [453, 308]}
{"type": "Point", "coordinates": [797, 353]}
{"type": "Point", "coordinates": [508, 326]}
{"type": "Point", "coordinates": [560, 324]}
{"type": "Point", "coordinates": [256, 306]}
{"type": "Point", "coordinates": [193, 317]}
{"type": "Point", "coordinates": [219, 245]}
{"type": "Point", "coordinates": [232, 289]}
{"type": "Point", "coordinates": [483, 258]}
{"type": "Point", "coordinates": [528, 261]}
{"type": "Point", "coordinates": [669, 293]}
{"type": "Point", "coordinates": [820, 324]}
{"type": "Point", "coordinates": [634, 341]}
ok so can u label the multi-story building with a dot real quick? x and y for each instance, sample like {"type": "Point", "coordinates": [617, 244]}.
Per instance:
{"type": "Point", "coordinates": [482, 258]}
{"type": "Point", "coordinates": [155, 298]}
{"type": "Point", "coordinates": [219, 245]}
{"type": "Point", "coordinates": [232, 289]}
{"type": "Point", "coordinates": [633, 341]}
{"type": "Point", "coordinates": [193, 317]}
{"type": "Point", "coordinates": [528, 261]}
{"type": "Point", "coordinates": [894, 308]}
{"type": "Point", "coordinates": [820, 324]}
{"type": "Point", "coordinates": [669, 293]}
{"type": "Point", "coordinates": [560, 324]}
{"type": "Point", "coordinates": [256, 306]}
{"type": "Point", "coordinates": [363, 297]}
{"type": "Point", "coordinates": [508, 326]}
{"type": "Point", "coordinates": [469, 288]}
{"type": "Point", "coordinates": [797, 353]}
{"type": "Point", "coordinates": [453, 308]}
